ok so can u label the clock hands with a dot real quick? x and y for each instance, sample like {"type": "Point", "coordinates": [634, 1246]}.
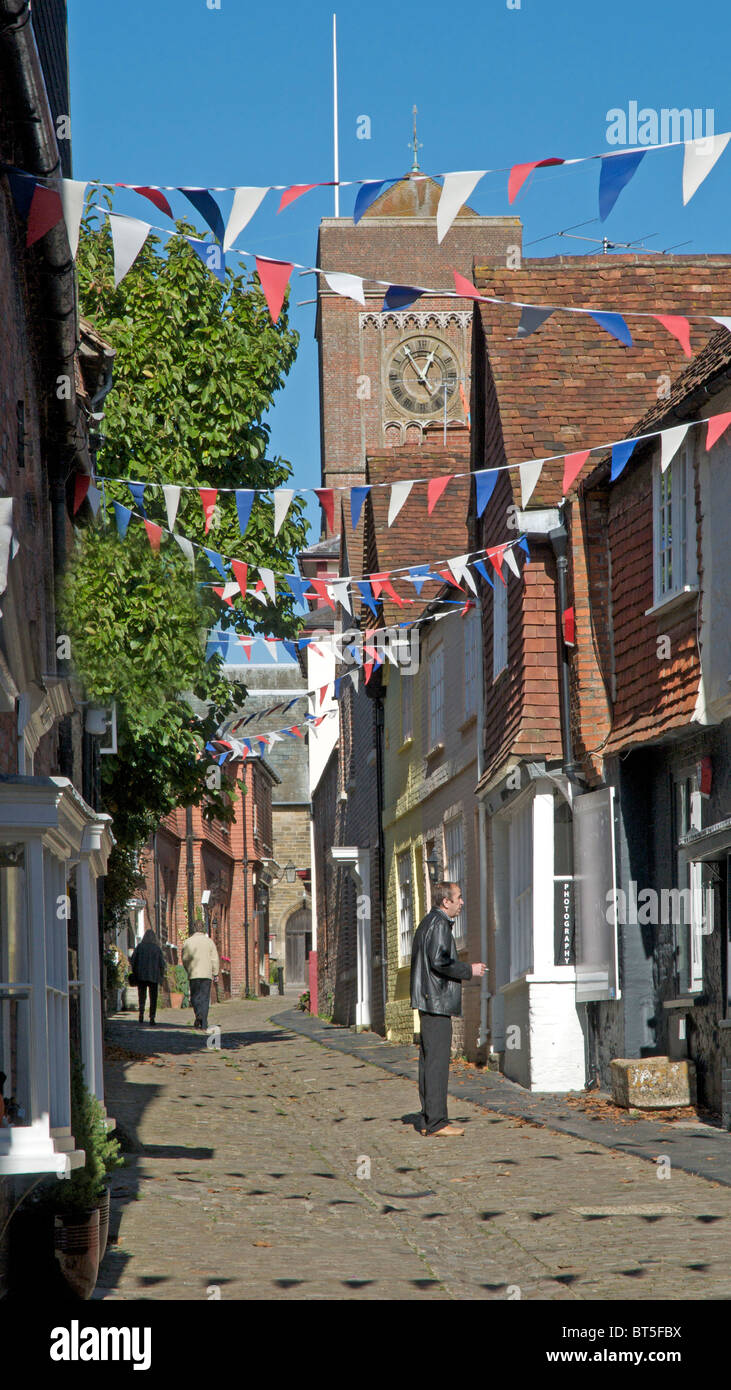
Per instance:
{"type": "Point", "coordinates": [422, 378]}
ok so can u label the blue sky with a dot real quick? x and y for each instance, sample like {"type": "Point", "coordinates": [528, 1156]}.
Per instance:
{"type": "Point", "coordinates": [173, 92]}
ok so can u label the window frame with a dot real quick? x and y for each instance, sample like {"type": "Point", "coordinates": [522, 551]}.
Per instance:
{"type": "Point", "coordinates": [436, 687]}
{"type": "Point", "coordinates": [470, 633]}
{"type": "Point", "coordinates": [673, 505]}
{"type": "Point", "coordinates": [405, 910]}
{"type": "Point", "coordinates": [454, 869]}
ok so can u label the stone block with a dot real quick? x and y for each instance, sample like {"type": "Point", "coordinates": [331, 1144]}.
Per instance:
{"type": "Point", "coordinates": [652, 1083]}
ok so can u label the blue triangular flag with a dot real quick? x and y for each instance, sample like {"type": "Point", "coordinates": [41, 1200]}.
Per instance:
{"type": "Point", "coordinates": [485, 482]}
{"type": "Point", "coordinates": [400, 297]}
{"type": "Point", "coordinates": [357, 498]}
{"type": "Point", "coordinates": [138, 494]}
{"type": "Point", "coordinates": [247, 744]}
{"type": "Point", "coordinates": [479, 565]}
{"type": "Point", "coordinates": [616, 325]}
{"type": "Point", "coordinates": [122, 516]}
{"type": "Point", "coordinates": [211, 255]}
{"type": "Point", "coordinates": [366, 195]}
{"type": "Point", "coordinates": [222, 758]}
{"type": "Point", "coordinates": [616, 172]}
{"type": "Point", "coordinates": [303, 642]}
{"type": "Point", "coordinates": [337, 686]}
{"type": "Point", "coordinates": [208, 209]}
{"type": "Point", "coordinates": [22, 187]}
{"type": "Point", "coordinates": [296, 698]}
{"type": "Point", "coordinates": [356, 655]}
{"type": "Point", "coordinates": [290, 648]}
{"type": "Point", "coordinates": [367, 593]}
{"type": "Point", "coordinates": [620, 454]}
{"type": "Point", "coordinates": [298, 586]}
{"type": "Point", "coordinates": [215, 560]}
{"type": "Point", "coordinates": [244, 502]}
{"type": "Point", "coordinates": [419, 574]}
{"type": "Point", "coordinates": [524, 546]}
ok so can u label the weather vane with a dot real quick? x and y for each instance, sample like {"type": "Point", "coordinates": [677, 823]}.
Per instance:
{"type": "Point", "coordinates": [416, 145]}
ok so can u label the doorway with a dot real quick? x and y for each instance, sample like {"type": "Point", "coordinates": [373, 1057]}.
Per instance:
{"type": "Point", "coordinates": [298, 941]}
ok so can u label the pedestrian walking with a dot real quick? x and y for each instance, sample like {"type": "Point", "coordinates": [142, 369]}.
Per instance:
{"type": "Point", "coordinates": [200, 959]}
{"type": "Point", "coordinates": [436, 991]}
{"type": "Point", "coordinates": [148, 970]}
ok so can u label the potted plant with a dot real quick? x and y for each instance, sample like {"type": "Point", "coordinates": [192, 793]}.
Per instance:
{"type": "Point", "coordinates": [80, 1204]}
{"type": "Point", "coordinates": [182, 984]}
{"type": "Point", "coordinates": [115, 976]}
{"type": "Point", "coordinates": [178, 987]}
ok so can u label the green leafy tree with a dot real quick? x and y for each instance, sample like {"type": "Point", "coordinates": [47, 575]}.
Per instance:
{"type": "Point", "coordinates": [198, 362]}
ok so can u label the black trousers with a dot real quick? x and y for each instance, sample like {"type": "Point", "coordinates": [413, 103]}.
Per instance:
{"type": "Point", "coordinates": [142, 988]}
{"type": "Point", "coordinates": [434, 1052]}
{"type": "Point", "coordinates": [200, 998]}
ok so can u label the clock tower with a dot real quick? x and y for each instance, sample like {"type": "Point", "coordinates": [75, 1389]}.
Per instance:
{"type": "Point", "coordinates": [393, 378]}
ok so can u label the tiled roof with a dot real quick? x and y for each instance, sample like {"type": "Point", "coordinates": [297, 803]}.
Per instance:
{"type": "Point", "coordinates": [415, 537]}
{"type": "Point", "coordinates": [569, 384]}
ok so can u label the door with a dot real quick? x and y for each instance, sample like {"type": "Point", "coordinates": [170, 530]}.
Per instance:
{"type": "Point", "coordinates": [297, 935]}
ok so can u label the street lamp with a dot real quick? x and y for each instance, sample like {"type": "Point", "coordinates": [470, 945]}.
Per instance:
{"type": "Point", "coordinates": [434, 866]}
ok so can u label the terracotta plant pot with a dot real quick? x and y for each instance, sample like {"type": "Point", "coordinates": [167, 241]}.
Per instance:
{"type": "Point", "coordinates": [105, 1204]}
{"type": "Point", "coordinates": [76, 1243]}
{"type": "Point", "coordinates": [176, 1000]}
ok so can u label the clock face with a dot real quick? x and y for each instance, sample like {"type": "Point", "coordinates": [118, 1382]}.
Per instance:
{"type": "Point", "coordinates": [421, 370]}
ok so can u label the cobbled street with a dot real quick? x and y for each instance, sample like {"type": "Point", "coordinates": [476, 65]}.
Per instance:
{"type": "Point", "coordinates": [276, 1167]}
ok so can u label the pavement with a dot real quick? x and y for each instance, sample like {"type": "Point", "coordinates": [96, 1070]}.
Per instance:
{"type": "Point", "coordinates": [285, 1163]}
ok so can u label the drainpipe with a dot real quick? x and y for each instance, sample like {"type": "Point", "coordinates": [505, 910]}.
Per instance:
{"type": "Point", "coordinates": [482, 836]}
{"type": "Point", "coordinates": [380, 848]}
{"type": "Point", "coordinates": [246, 877]}
{"type": "Point", "coordinates": [189, 868]}
{"type": "Point", "coordinates": [559, 542]}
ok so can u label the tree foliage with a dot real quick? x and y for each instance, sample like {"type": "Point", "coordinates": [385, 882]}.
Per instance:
{"type": "Point", "coordinates": [197, 365]}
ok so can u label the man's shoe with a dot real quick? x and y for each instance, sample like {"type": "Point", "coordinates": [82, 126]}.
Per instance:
{"type": "Point", "coordinates": [449, 1130]}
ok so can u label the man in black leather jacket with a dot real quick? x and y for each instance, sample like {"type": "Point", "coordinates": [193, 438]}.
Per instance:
{"type": "Point", "coordinates": [436, 991]}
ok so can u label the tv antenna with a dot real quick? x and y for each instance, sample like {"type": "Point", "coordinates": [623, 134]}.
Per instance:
{"type": "Point", "coordinates": [605, 242]}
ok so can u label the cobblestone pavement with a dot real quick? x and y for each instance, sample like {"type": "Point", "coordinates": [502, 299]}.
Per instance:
{"type": "Point", "coordinates": [278, 1168]}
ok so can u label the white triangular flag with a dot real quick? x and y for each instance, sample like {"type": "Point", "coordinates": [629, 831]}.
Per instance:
{"type": "Point", "coordinates": [700, 157]}
{"type": "Point", "coordinates": [186, 548]}
{"type": "Point", "coordinates": [459, 568]}
{"type": "Point", "coordinates": [399, 493]}
{"type": "Point", "coordinates": [268, 577]}
{"type": "Point", "coordinates": [457, 189]}
{"type": "Point", "coordinates": [274, 737]}
{"type": "Point", "coordinates": [128, 237]}
{"type": "Point", "coordinates": [724, 322]}
{"type": "Point", "coordinates": [529, 475]}
{"type": "Point", "coordinates": [272, 648]}
{"type": "Point", "coordinates": [351, 286]}
{"type": "Point", "coordinates": [94, 498]}
{"type": "Point", "coordinates": [671, 441]}
{"type": "Point", "coordinates": [354, 676]}
{"type": "Point", "coordinates": [73, 192]}
{"type": "Point", "coordinates": [340, 591]}
{"type": "Point", "coordinates": [245, 204]}
{"type": "Point", "coordinates": [511, 562]}
{"type": "Point", "coordinates": [282, 503]}
{"type": "Point", "coordinates": [229, 590]}
{"type": "Point", "coordinates": [172, 501]}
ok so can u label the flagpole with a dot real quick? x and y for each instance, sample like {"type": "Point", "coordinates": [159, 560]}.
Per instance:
{"type": "Point", "coordinates": [336, 163]}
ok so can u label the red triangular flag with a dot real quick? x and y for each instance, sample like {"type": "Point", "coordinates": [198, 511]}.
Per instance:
{"type": "Point", "coordinates": [327, 502]}
{"type": "Point", "coordinates": [274, 276]}
{"type": "Point", "coordinates": [323, 693]}
{"type": "Point", "coordinates": [81, 487]}
{"type": "Point", "coordinates": [434, 491]}
{"type": "Point", "coordinates": [717, 425]}
{"type": "Point", "coordinates": [296, 730]}
{"type": "Point", "coordinates": [367, 670]}
{"type": "Point", "coordinates": [569, 627]}
{"type": "Point", "coordinates": [496, 557]}
{"type": "Point", "coordinates": [520, 172]}
{"type": "Point", "coordinates": [295, 191]}
{"type": "Point", "coordinates": [572, 466]}
{"type": "Point", "coordinates": [208, 498]}
{"type": "Point", "coordinates": [247, 643]}
{"type": "Point", "coordinates": [320, 588]}
{"type": "Point", "coordinates": [222, 596]}
{"type": "Point", "coordinates": [450, 579]}
{"type": "Point", "coordinates": [464, 287]}
{"type": "Point", "coordinates": [154, 534]}
{"type": "Point", "coordinates": [241, 570]}
{"type": "Point", "coordinates": [46, 211]}
{"type": "Point", "coordinates": [679, 327]}
{"type": "Point", "coordinates": [153, 194]}
{"type": "Point", "coordinates": [381, 583]}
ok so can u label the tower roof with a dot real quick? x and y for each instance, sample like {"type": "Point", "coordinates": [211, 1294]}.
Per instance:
{"type": "Point", "coordinates": [413, 196]}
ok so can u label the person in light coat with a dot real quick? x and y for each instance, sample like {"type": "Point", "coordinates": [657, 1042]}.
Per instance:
{"type": "Point", "coordinates": [200, 959]}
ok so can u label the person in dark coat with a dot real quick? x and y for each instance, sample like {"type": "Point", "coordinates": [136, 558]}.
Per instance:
{"type": "Point", "coordinates": [148, 968]}
{"type": "Point", "coordinates": [436, 991]}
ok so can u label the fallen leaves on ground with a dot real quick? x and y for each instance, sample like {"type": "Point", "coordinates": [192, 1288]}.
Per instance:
{"type": "Point", "coordinates": [607, 1110]}
{"type": "Point", "coordinates": [267, 1243]}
